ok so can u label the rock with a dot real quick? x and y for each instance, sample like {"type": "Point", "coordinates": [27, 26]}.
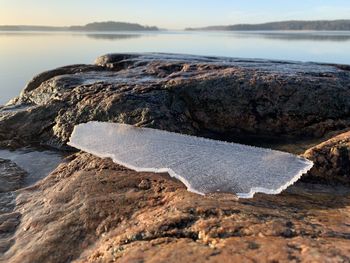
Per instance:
{"type": "Point", "coordinates": [11, 176]}
{"type": "Point", "coordinates": [8, 226]}
{"type": "Point", "coordinates": [7, 202]}
{"type": "Point", "coordinates": [74, 69]}
{"type": "Point", "coordinates": [92, 210]}
{"type": "Point", "coordinates": [11, 179]}
{"type": "Point", "coordinates": [214, 97]}
{"type": "Point", "coordinates": [332, 160]}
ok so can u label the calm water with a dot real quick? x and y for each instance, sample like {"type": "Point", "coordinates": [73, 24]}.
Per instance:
{"type": "Point", "coordinates": [38, 164]}
{"type": "Point", "coordinates": [23, 55]}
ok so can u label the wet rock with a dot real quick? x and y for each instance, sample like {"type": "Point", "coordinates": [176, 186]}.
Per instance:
{"type": "Point", "coordinates": [11, 176]}
{"type": "Point", "coordinates": [99, 209]}
{"type": "Point", "coordinates": [7, 202]}
{"type": "Point", "coordinates": [11, 179]}
{"type": "Point", "coordinates": [205, 96]}
{"type": "Point", "coordinates": [8, 226]}
{"type": "Point", "coordinates": [92, 210]}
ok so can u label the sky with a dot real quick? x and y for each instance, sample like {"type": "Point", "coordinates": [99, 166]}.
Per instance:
{"type": "Point", "coordinates": [171, 14]}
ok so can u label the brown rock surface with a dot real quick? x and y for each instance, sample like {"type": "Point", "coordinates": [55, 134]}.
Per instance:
{"type": "Point", "coordinates": [92, 210]}
{"type": "Point", "coordinates": [332, 159]}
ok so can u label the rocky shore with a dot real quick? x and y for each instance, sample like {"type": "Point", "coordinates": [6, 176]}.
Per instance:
{"type": "Point", "coordinates": [90, 209]}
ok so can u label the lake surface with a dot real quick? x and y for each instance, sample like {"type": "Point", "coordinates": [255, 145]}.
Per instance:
{"type": "Point", "coordinates": [24, 54]}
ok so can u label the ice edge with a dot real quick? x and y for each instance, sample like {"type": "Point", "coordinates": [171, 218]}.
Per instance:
{"type": "Point", "coordinates": [255, 190]}
{"type": "Point", "coordinates": [251, 194]}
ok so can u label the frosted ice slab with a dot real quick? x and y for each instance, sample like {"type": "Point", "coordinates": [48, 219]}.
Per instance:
{"type": "Point", "coordinates": [203, 165]}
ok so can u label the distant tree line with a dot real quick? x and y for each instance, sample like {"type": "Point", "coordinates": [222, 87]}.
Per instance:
{"type": "Point", "coordinates": [335, 25]}
{"type": "Point", "coordinates": [113, 26]}
{"type": "Point", "coordinates": [97, 26]}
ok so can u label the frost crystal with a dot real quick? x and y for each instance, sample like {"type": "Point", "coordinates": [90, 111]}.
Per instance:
{"type": "Point", "coordinates": [203, 165]}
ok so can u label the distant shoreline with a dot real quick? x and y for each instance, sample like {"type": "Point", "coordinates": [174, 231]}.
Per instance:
{"type": "Point", "coordinates": [111, 26]}
{"type": "Point", "coordinates": [91, 27]}
{"type": "Point", "coordinates": [293, 25]}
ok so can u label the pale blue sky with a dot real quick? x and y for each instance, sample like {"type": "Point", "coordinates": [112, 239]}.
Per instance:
{"type": "Point", "coordinates": [174, 14]}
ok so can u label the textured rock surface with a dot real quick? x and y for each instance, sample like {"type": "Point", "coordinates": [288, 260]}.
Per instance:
{"type": "Point", "coordinates": [11, 179]}
{"type": "Point", "coordinates": [12, 176]}
{"type": "Point", "coordinates": [188, 94]}
{"type": "Point", "coordinates": [332, 159]}
{"type": "Point", "coordinates": [92, 210]}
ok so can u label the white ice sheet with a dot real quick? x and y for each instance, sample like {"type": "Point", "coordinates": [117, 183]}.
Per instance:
{"type": "Point", "coordinates": [203, 165]}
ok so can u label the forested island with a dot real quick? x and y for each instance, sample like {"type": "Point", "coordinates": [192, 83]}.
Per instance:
{"type": "Point", "coordinates": [96, 26]}
{"type": "Point", "coordinates": [321, 25]}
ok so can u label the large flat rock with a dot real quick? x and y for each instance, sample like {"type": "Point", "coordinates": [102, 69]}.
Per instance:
{"type": "Point", "coordinates": [92, 210]}
{"type": "Point", "coordinates": [208, 96]}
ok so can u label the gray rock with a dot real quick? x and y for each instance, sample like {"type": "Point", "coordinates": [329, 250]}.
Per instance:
{"type": "Point", "coordinates": [11, 179]}
{"type": "Point", "coordinates": [11, 176]}
{"type": "Point", "coordinates": [108, 212]}
{"type": "Point", "coordinates": [195, 95]}
{"type": "Point", "coordinates": [284, 105]}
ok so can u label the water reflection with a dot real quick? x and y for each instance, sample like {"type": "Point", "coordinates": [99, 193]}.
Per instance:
{"type": "Point", "coordinates": [38, 164]}
{"type": "Point", "coordinates": [277, 35]}
{"type": "Point", "coordinates": [295, 36]}
{"type": "Point", "coordinates": [101, 36]}
{"type": "Point", "coordinates": [25, 34]}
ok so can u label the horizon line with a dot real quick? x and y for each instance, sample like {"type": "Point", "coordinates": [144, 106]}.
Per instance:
{"type": "Point", "coordinates": [187, 27]}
